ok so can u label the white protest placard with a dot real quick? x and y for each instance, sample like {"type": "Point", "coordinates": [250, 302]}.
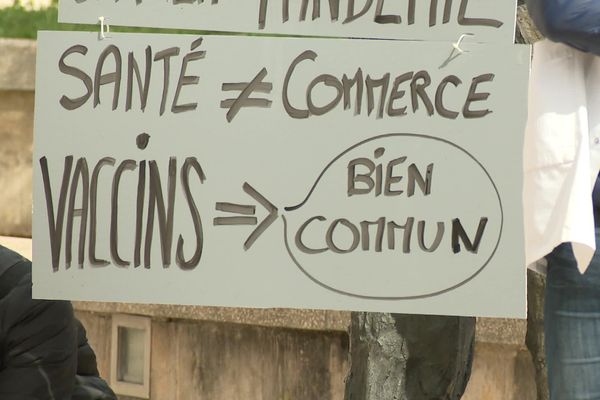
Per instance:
{"type": "Point", "coordinates": [444, 20]}
{"type": "Point", "coordinates": [255, 172]}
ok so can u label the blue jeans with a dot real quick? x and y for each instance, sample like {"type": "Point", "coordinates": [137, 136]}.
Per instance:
{"type": "Point", "coordinates": [572, 326]}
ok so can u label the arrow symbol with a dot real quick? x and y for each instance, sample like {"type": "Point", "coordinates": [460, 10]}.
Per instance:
{"type": "Point", "coordinates": [245, 215]}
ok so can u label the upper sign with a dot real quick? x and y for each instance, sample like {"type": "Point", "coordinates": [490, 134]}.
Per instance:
{"type": "Point", "coordinates": [240, 171]}
{"type": "Point", "coordinates": [444, 20]}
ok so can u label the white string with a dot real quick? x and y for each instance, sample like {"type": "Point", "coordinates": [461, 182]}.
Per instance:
{"type": "Point", "coordinates": [456, 49]}
{"type": "Point", "coordinates": [456, 45]}
{"type": "Point", "coordinates": [104, 28]}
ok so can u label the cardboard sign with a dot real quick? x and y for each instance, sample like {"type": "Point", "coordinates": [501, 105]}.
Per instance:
{"type": "Point", "coordinates": [254, 172]}
{"type": "Point", "coordinates": [445, 20]}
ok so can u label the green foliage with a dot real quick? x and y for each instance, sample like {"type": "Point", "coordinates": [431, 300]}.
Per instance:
{"type": "Point", "coordinates": [18, 22]}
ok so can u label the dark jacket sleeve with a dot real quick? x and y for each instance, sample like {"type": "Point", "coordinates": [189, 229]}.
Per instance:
{"type": "Point", "coordinates": [88, 383]}
{"type": "Point", "coordinates": [37, 339]}
{"type": "Point", "coordinates": [44, 352]}
{"type": "Point", "coordinates": [573, 22]}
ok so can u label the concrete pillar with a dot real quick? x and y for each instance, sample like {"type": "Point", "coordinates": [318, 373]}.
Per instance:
{"type": "Point", "coordinates": [536, 285]}
{"type": "Point", "coordinates": [409, 357]}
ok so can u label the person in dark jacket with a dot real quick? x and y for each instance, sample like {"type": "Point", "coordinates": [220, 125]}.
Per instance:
{"type": "Point", "coordinates": [44, 353]}
{"type": "Point", "coordinates": [572, 299]}
{"type": "Point", "coordinates": [573, 22]}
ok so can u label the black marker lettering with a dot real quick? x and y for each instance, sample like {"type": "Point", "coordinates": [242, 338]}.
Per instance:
{"type": "Point", "coordinates": [352, 15]}
{"type": "Point", "coordinates": [365, 238]}
{"type": "Point", "coordinates": [411, 11]}
{"type": "Point", "coordinates": [187, 79]}
{"type": "Point", "coordinates": [114, 212]}
{"type": "Point", "coordinates": [139, 212]}
{"type": "Point", "coordinates": [355, 236]}
{"type": "Point", "coordinates": [390, 179]}
{"type": "Point", "coordinates": [300, 244]}
{"type": "Point", "coordinates": [354, 178]}
{"type": "Point", "coordinates": [101, 79]}
{"type": "Point", "coordinates": [414, 175]}
{"type": "Point", "coordinates": [55, 225]}
{"type": "Point", "coordinates": [382, 83]}
{"type": "Point", "coordinates": [165, 217]}
{"type": "Point", "coordinates": [191, 163]}
{"type": "Point", "coordinates": [294, 112]}
{"type": "Point", "coordinates": [436, 241]}
{"type": "Point", "coordinates": [166, 55]}
{"type": "Point", "coordinates": [133, 68]}
{"type": "Point", "coordinates": [474, 96]}
{"type": "Point", "coordinates": [385, 19]}
{"type": "Point", "coordinates": [330, 81]}
{"type": "Point", "coordinates": [439, 97]}
{"type": "Point", "coordinates": [418, 91]}
{"type": "Point", "coordinates": [262, 14]}
{"type": "Point", "coordinates": [80, 174]}
{"type": "Point", "coordinates": [398, 94]}
{"type": "Point", "coordinates": [95, 262]}
{"type": "Point", "coordinates": [378, 172]}
{"type": "Point", "coordinates": [348, 83]}
{"type": "Point", "coordinates": [334, 9]}
{"type": "Point", "coordinates": [463, 20]}
{"type": "Point", "coordinates": [406, 236]}
{"type": "Point", "coordinates": [447, 11]}
{"type": "Point", "coordinates": [433, 12]}
{"type": "Point", "coordinates": [285, 11]}
{"type": "Point", "coordinates": [66, 102]}
{"type": "Point", "coordinates": [458, 232]}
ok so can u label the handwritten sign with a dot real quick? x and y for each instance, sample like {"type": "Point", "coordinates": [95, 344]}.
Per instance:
{"type": "Point", "coordinates": [446, 20]}
{"type": "Point", "coordinates": [238, 171]}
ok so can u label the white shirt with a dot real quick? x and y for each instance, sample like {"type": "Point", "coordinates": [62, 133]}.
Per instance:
{"type": "Point", "coordinates": [561, 151]}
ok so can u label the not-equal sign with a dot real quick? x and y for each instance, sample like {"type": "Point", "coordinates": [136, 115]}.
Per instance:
{"type": "Point", "coordinates": [246, 89]}
{"type": "Point", "coordinates": [242, 217]}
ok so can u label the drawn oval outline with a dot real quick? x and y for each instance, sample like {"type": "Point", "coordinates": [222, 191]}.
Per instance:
{"type": "Point", "coordinates": [391, 298]}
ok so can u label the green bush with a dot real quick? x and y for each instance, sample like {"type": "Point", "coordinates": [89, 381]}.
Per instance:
{"type": "Point", "coordinates": [18, 22]}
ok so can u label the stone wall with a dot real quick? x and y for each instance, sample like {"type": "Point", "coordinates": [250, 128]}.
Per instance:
{"type": "Point", "coordinates": [306, 339]}
{"type": "Point", "coordinates": [17, 80]}
{"type": "Point", "coordinates": [502, 367]}
{"type": "Point", "coordinates": [214, 360]}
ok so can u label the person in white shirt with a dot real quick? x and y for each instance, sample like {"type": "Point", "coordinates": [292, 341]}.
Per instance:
{"type": "Point", "coordinates": [562, 189]}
